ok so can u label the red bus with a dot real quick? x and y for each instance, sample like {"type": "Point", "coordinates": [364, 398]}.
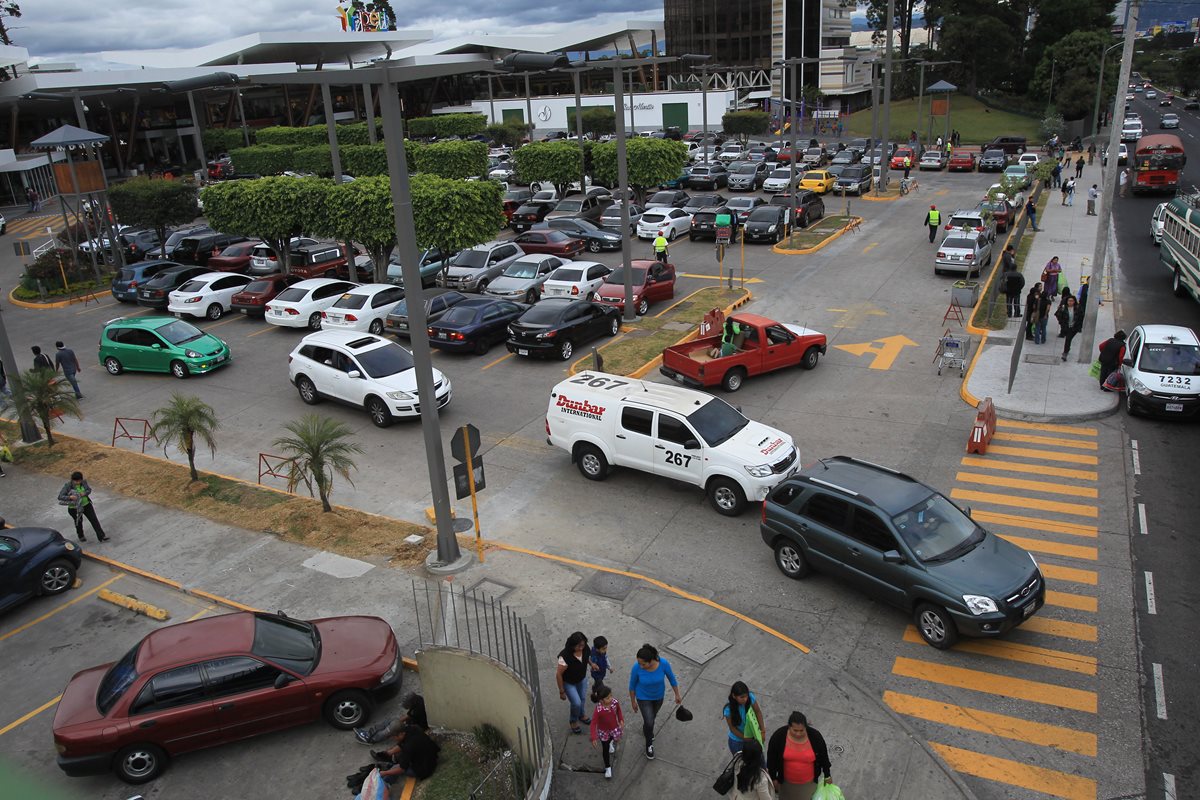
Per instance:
{"type": "Point", "coordinates": [1157, 163]}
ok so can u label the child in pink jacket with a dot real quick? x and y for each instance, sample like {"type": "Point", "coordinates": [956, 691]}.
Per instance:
{"type": "Point", "coordinates": [608, 723]}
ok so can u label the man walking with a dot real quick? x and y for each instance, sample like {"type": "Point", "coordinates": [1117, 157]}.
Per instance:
{"type": "Point", "coordinates": [66, 360]}
{"type": "Point", "coordinates": [660, 248]}
{"type": "Point", "coordinates": [1031, 212]}
{"type": "Point", "coordinates": [1093, 196]}
{"type": "Point", "coordinates": [1056, 176]}
{"type": "Point", "coordinates": [1079, 168]}
{"type": "Point", "coordinates": [934, 220]}
{"type": "Point", "coordinates": [40, 359]}
{"type": "Point", "coordinates": [1091, 153]}
{"type": "Point", "coordinates": [1014, 282]}
{"type": "Point", "coordinates": [1124, 181]}
{"type": "Point", "coordinates": [1070, 187]}
{"type": "Point", "coordinates": [76, 495]}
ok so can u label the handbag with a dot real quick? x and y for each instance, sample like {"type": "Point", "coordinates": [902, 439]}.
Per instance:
{"type": "Point", "coordinates": [724, 781]}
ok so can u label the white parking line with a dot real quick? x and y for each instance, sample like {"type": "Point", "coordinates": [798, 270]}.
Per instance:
{"type": "Point", "coordinates": [1142, 526]}
{"type": "Point", "coordinates": [1151, 605]}
{"type": "Point", "coordinates": [1169, 786]}
{"type": "Point", "coordinates": [1160, 693]}
{"type": "Point", "coordinates": [1137, 461]}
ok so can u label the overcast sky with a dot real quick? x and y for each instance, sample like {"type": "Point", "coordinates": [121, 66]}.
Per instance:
{"type": "Point", "coordinates": [78, 30]}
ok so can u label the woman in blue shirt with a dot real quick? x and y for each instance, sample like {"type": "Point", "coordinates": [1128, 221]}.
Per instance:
{"type": "Point", "coordinates": [742, 703]}
{"type": "Point", "coordinates": [647, 688]}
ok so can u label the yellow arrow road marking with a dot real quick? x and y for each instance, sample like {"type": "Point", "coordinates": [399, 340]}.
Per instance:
{"type": "Point", "coordinates": [715, 277]}
{"type": "Point", "coordinates": [885, 349]}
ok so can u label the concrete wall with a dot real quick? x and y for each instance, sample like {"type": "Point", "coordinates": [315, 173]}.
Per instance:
{"type": "Point", "coordinates": [550, 113]}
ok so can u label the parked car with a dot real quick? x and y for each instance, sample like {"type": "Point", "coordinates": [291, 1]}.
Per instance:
{"type": "Point", "coordinates": [397, 320]}
{"type": "Point", "coordinates": [731, 151]}
{"type": "Point", "coordinates": [742, 206]}
{"type": "Point", "coordinates": [125, 282]}
{"type": "Point", "coordinates": [166, 249]}
{"type": "Point", "coordinates": [473, 269]}
{"type": "Point", "coordinates": [514, 199]}
{"type": "Point", "coordinates": [748, 176]}
{"type": "Point", "coordinates": [699, 201]}
{"type": "Point", "coordinates": [557, 325]}
{"type": "Point", "coordinates": [611, 218]}
{"type": "Point", "coordinates": [594, 237]}
{"type": "Point", "coordinates": [529, 214]}
{"type": "Point", "coordinates": [234, 258]}
{"type": "Point", "coordinates": [552, 242]}
{"type": "Point", "coordinates": [767, 223]}
{"type": "Point", "coordinates": [668, 199]}
{"type": "Point", "coordinates": [1011, 145]}
{"type": "Point", "coordinates": [155, 293]}
{"type": "Point", "coordinates": [1001, 211]}
{"type": "Point", "coordinates": [898, 156]}
{"type": "Point", "coordinates": [199, 248]}
{"type": "Point", "coordinates": [431, 262]}
{"type": "Point", "coordinates": [1191, 104]}
{"type": "Point", "coordinates": [652, 281]}
{"type": "Point", "coordinates": [671, 221]}
{"type": "Point", "coordinates": [854, 179]}
{"type": "Point", "coordinates": [301, 304]}
{"type": "Point", "coordinates": [253, 298]}
{"type": "Point", "coordinates": [780, 180]}
{"type": "Point", "coordinates": [704, 223]}
{"type": "Point", "coordinates": [134, 244]}
{"type": "Point", "coordinates": [159, 344]}
{"type": "Point", "coordinates": [821, 181]}
{"type": "Point", "coordinates": [578, 279]}
{"type": "Point", "coordinates": [579, 207]}
{"type": "Point", "coordinates": [522, 280]}
{"type": "Point", "coordinates": [960, 251]}
{"type": "Point", "coordinates": [1029, 160]}
{"type": "Point", "coordinates": [262, 257]}
{"type": "Point", "coordinates": [1018, 174]}
{"type": "Point", "coordinates": [474, 325]}
{"type": "Point", "coordinates": [815, 157]}
{"type": "Point", "coordinates": [994, 160]}
{"type": "Point", "coordinates": [972, 220]}
{"type": "Point", "coordinates": [708, 176]}
{"type": "Point", "coordinates": [932, 159]}
{"type": "Point", "coordinates": [765, 154]}
{"type": "Point", "coordinates": [846, 157]}
{"type": "Point", "coordinates": [805, 204]}
{"type": "Point", "coordinates": [678, 182]}
{"type": "Point", "coordinates": [1162, 371]}
{"type": "Point", "coordinates": [209, 295]}
{"type": "Point", "coordinates": [35, 562]}
{"type": "Point", "coordinates": [363, 308]}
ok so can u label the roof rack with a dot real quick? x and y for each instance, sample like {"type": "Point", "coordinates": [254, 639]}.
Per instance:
{"type": "Point", "coordinates": [873, 465]}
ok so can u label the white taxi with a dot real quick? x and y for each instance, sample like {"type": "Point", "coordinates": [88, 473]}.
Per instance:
{"type": "Point", "coordinates": [1162, 371]}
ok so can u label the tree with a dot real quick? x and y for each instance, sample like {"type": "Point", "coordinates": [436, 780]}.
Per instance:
{"type": "Point", "coordinates": [42, 394]}
{"type": "Point", "coordinates": [1057, 20]}
{"type": "Point", "coordinates": [362, 212]}
{"type": "Point", "coordinates": [272, 209]}
{"type": "Point", "coordinates": [452, 159]}
{"type": "Point", "coordinates": [8, 8]}
{"type": "Point", "coordinates": [902, 18]}
{"type": "Point", "coordinates": [154, 203]}
{"type": "Point", "coordinates": [1188, 70]}
{"type": "Point", "coordinates": [558, 163]}
{"type": "Point", "coordinates": [222, 140]}
{"type": "Point", "coordinates": [181, 422]}
{"type": "Point", "coordinates": [651, 162]}
{"type": "Point", "coordinates": [744, 124]}
{"type": "Point", "coordinates": [982, 41]}
{"type": "Point", "coordinates": [1074, 63]}
{"type": "Point", "coordinates": [319, 447]}
{"type": "Point", "coordinates": [453, 215]}
{"type": "Point", "coordinates": [599, 120]}
{"type": "Point", "coordinates": [507, 134]}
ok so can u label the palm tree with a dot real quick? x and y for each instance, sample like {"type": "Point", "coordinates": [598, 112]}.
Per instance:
{"type": "Point", "coordinates": [42, 394]}
{"type": "Point", "coordinates": [181, 422]}
{"type": "Point", "coordinates": [318, 448]}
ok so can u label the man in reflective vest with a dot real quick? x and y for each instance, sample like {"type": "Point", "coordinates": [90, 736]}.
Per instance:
{"type": "Point", "coordinates": [660, 247]}
{"type": "Point", "coordinates": [933, 219]}
{"type": "Point", "coordinates": [907, 166]}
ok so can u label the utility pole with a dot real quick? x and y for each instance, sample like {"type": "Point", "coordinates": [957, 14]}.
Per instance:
{"type": "Point", "coordinates": [1100, 86]}
{"type": "Point", "coordinates": [623, 184]}
{"type": "Point", "coordinates": [886, 133]}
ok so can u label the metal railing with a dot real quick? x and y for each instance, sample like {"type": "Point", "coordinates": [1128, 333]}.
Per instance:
{"type": "Point", "coordinates": [477, 623]}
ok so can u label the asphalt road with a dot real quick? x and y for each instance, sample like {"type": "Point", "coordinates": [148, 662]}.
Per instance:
{"type": "Point", "coordinates": [1166, 594]}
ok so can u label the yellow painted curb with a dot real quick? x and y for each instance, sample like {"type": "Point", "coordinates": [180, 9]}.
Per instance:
{"type": "Point", "coordinates": [135, 605]}
{"type": "Point", "coordinates": [56, 304]}
{"type": "Point", "coordinates": [855, 221]}
{"type": "Point", "coordinates": [127, 568]}
{"type": "Point", "coordinates": [888, 198]}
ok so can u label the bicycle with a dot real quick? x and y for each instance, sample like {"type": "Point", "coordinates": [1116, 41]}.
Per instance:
{"type": "Point", "coordinates": [909, 185]}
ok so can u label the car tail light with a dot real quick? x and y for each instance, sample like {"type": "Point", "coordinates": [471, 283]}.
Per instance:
{"type": "Point", "coordinates": [195, 299]}
{"type": "Point", "coordinates": [979, 228]}
{"type": "Point", "coordinates": [351, 318]}
{"type": "Point", "coordinates": [458, 337]}
{"type": "Point", "coordinates": [324, 315]}
{"type": "Point", "coordinates": [574, 290]}
{"type": "Point", "coordinates": [133, 284]}
{"type": "Point", "coordinates": [547, 426]}
{"type": "Point", "coordinates": [941, 254]}
{"type": "Point", "coordinates": [430, 332]}
{"type": "Point", "coordinates": [296, 313]}
{"type": "Point", "coordinates": [970, 256]}
{"type": "Point", "coordinates": [949, 225]}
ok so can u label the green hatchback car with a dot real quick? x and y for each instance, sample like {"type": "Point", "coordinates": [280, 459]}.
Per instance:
{"type": "Point", "coordinates": [160, 344]}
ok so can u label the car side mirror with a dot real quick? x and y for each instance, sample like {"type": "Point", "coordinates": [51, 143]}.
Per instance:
{"type": "Point", "coordinates": [691, 444]}
{"type": "Point", "coordinates": [1127, 362]}
{"type": "Point", "coordinates": [893, 557]}
{"type": "Point", "coordinates": [283, 680]}
{"type": "Point", "coordinates": [966, 510]}
{"type": "Point", "coordinates": [156, 346]}
{"type": "Point", "coordinates": [353, 374]}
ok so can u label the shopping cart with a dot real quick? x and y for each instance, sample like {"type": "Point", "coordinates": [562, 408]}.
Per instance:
{"type": "Point", "coordinates": [951, 353]}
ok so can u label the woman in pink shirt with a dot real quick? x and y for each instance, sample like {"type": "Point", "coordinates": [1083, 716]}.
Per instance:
{"type": "Point", "coordinates": [796, 755]}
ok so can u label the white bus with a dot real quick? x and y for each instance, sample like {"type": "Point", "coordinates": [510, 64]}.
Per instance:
{"type": "Point", "coordinates": [1180, 251]}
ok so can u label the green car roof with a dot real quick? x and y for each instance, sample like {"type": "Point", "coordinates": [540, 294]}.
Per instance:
{"type": "Point", "coordinates": [151, 323]}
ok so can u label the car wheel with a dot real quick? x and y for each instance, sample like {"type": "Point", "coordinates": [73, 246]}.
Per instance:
{"type": "Point", "coordinates": [726, 496]}
{"type": "Point", "coordinates": [594, 246]}
{"type": "Point", "coordinates": [733, 379]}
{"type": "Point", "coordinates": [565, 350]}
{"type": "Point", "coordinates": [614, 326]}
{"type": "Point", "coordinates": [789, 557]}
{"type": "Point", "coordinates": [215, 312]}
{"type": "Point", "coordinates": [671, 234]}
{"type": "Point", "coordinates": [531, 296]}
{"type": "Point", "coordinates": [380, 416]}
{"type": "Point", "coordinates": [56, 578]}
{"type": "Point", "coordinates": [314, 321]}
{"type": "Point", "coordinates": [642, 307]}
{"type": "Point", "coordinates": [308, 392]}
{"type": "Point", "coordinates": [140, 763]}
{"type": "Point", "coordinates": [113, 366]}
{"type": "Point", "coordinates": [935, 626]}
{"type": "Point", "coordinates": [591, 462]}
{"type": "Point", "coordinates": [1177, 284]}
{"type": "Point", "coordinates": [348, 709]}
{"type": "Point", "coordinates": [481, 346]}
{"type": "Point", "coordinates": [1129, 409]}
{"type": "Point", "coordinates": [376, 327]}
{"type": "Point", "coordinates": [179, 370]}
{"type": "Point", "coordinates": [482, 287]}
{"type": "Point", "coordinates": [811, 356]}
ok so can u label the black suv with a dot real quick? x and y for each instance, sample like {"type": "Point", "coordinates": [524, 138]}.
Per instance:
{"type": "Point", "coordinates": [154, 292]}
{"type": "Point", "coordinates": [904, 543]}
{"type": "Point", "coordinates": [704, 223]}
{"type": "Point", "coordinates": [135, 244]}
{"type": "Point", "coordinates": [807, 205]}
{"type": "Point", "coordinates": [198, 248]}
{"type": "Point", "coordinates": [167, 249]}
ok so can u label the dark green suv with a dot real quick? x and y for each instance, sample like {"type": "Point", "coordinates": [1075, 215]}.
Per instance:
{"type": "Point", "coordinates": [904, 543]}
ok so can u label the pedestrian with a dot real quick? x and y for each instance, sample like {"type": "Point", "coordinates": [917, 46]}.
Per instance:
{"type": "Point", "coordinates": [1014, 284]}
{"type": "Point", "coordinates": [1063, 190]}
{"type": "Point", "coordinates": [1060, 313]}
{"type": "Point", "coordinates": [1050, 277]}
{"type": "Point", "coordinates": [414, 714]}
{"type": "Point", "coordinates": [1093, 196]}
{"type": "Point", "coordinates": [4, 381]}
{"type": "Point", "coordinates": [66, 360]}
{"type": "Point", "coordinates": [660, 248]}
{"type": "Point", "coordinates": [1124, 181]}
{"type": "Point", "coordinates": [76, 495]}
{"type": "Point", "coordinates": [934, 220]}
{"type": "Point", "coordinates": [939, 143]}
{"type": "Point", "coordinates": [1091, 153]}
{"type": "Point", "coordinates": [414, 754]}
{"type": "Point", "coordinates": [647, 688]}
{"type": "Point", "coordinates": [1079, 167]}
{"type": "Point", "coordinates": [1073, 322]}
{"type": "Point", "coordinates": [572, 677]}
{"type": "Point", "coordinates": [598, 661]}
{"type": "Point", "coordinates": [29, 197]}
{"type": "Point", "coordinates": [796, 756]}
{"type": "Point", "coordinates": [1042, 317]}
{"type": "Point", "coordinates": [1112, 352]}
{"type": "Point", "coordinates": [1031, 302]}
{"type": "Point", "coordinates": [743, 717]}
{"type": "Point", "coordinates": [1070, 184]}
{"type": "Point", "coordinates": [752, 781]}
{"type": "Point", "coordinates": [37, 199]}
{"type": "Point", "coordinates": [40, 359]}
{"type": "Point", "coordinates": [608, 723]}
{"type": "Point", "coordinates": [907, 166]}
{"type": "Point", "coordinates": [1031, 212]}
{"type": "Point", "coordinates": [1056, 176]}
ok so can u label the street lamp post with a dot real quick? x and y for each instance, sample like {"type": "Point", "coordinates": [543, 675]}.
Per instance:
{"type": "Point", "coordinates": [1099, 88]}
{"type": "Point", "coordinates": [886, 132]}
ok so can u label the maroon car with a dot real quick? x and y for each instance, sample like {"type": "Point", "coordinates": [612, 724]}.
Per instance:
{"type": "Point", "coordinates": [652, 282]}
{"type": "Point", "coordinates": [555, 243]}
{"type": "Point", "coordinates": [217, 680]}
{"type": "Point", "coordinates": [254, 296]}
{"type": "Point", "coordinates": [1002, 213]}
{"type": "Point", "coordinates": [234, 258]}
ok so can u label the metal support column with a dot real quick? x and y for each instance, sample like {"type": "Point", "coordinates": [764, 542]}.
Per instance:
{"type": "Point", "coordinates": [885, 135]}
{"type": "Point", "coordinates": [623, 183]}
{"type": "Point", "coordinates": [369, 105]}
{"type": "Point", "coordinates": [197, 137]}
{"type": "Point", "coordinates": [331, 130]}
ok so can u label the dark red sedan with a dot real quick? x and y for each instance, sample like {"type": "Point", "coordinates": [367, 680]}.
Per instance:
{"type": "Point", "coordinates": [253, 298]}
{"type": "Point", "coordinates": [550, 242]}
{"type": "Point", "coordinates": [217, 680]}
{"type": "Point", "coordinates": [652, 282]}
{"type": "Point", "coordinates": [234, 258]}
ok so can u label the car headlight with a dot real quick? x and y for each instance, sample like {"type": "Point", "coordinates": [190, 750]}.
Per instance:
{"type": "Point", "coordinates": [1139, 387]}
{"type": "Point", "coordinates": [388, 676]}
{"type": "Point", "coordinates": [68, 546]}
{"type": "Point", "coordinates": [978, 604]}
{"type": "Point", "coordinates": [401, 396]}
{"type": "Point", "coordinates": [761, 471]}
{"type": "Point", "coordinates": [191, 354]}
{"type": "Point", "coordinates": [771, 229]}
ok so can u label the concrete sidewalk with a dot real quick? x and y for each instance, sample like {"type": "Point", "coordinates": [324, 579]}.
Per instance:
{"type": "Point", "coordinates": [874, 752]}
{"type": "Point", "coordinates": [1046, 388]}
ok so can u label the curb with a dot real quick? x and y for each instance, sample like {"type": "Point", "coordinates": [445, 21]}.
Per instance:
{"type": "Point", "coordinates": [853, 223]}
{"type": "Point", "coordinates": [56, 304]}
{"type": "Point", "coordinates": [886, 199]}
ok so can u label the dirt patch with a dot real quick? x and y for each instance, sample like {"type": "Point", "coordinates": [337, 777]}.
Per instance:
{"type": "Point", "coordinates": [463, 765]}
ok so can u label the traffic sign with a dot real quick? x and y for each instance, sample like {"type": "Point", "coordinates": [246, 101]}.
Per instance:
{"type": "Point", "coordinates": [462, 479]}
{"type": "Point", "coordinates": [466, 437]}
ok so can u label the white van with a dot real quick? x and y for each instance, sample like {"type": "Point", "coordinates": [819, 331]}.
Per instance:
{"type": "Point", "coordinates": [1162, 371]}
{"type": "Point", "coordinates": [610, 420]}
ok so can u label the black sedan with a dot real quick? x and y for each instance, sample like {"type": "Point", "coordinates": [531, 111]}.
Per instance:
{"type": "Point", "coordinates": [594, 237]}
{"type": "Point", "coordinates": [528, 214]}
{"type": "Point", "coordinates": [557, 325]}
{"type": "Point", "coordinates": [33, 562]}
{"type": "Point", "coordinates": [474, 324]}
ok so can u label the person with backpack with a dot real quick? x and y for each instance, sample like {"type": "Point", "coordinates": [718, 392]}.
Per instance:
{"type": "Point", "coordinates": [40, 359]}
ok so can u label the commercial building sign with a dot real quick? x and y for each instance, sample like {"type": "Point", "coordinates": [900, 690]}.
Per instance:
{"type": "Point", "coordinates": [362, 20]}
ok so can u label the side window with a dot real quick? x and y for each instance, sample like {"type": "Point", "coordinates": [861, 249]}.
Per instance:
{"type": "Point", "coordinates": [871, 531]}
{"type": "Point", "coordinates": [323, 292]}
{"type": "Point", "coordinates": [117, 335]}
{"type": "Point", "coordinates": [827, 510]}
{"type": "Point", "coordinates": [225, 283]}
{"type": "Point", "coordinates": [1135, 344]}
{"type": "Point", "coordinates": [437, 304]}
{"type": "Point", "coordinates": [170, 689]}
{"type": "Point", "coordinates": [674, 430]}
{"type": "Point", "coordinates": [493, 313]}
{"type": "Point", "coordinates": [637, 420]}
{"type": "Point", "coordinates": [230, 676]}
{"type": "Point", "coordinates": [778, 335]}
{"type": "Point", "coordinates": [597, 272]}
{"type": "Point", "coordinates": [788, 495]}
{"type": "Point", "coordinates": [343, 362]}
{"type": "Point", "coordinates": [139, 338]}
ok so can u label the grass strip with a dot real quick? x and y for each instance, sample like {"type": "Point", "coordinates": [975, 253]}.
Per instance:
{"type": "Point", "coordinates": [975, 122]}
{"type": "Point", "coordinates": [998, 319]}
{"type": "Point", "coordinates": [818, 233]}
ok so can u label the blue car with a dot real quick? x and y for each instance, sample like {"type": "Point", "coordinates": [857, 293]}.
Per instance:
{"type": "Point", "coordinates": [474, 325]}
{"type": "Point", "coordinates": [126, 282]}
{"type": "Point", "coordinates": [33, 562]}
{"type": "Point", "coordinates": [679, 183]}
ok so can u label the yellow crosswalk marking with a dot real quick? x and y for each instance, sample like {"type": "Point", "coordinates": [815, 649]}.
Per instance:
{"type": "Point", "coordinates": [1017, 651]}
{"type": "Point", "coordinates": [1054, 548]}
{"type": "Point", "coordinates": [1060, 627]}
{"type": "Point", "coordinates": [989, 683]}
{"type": "Point", "coordinates": [1045, 426]}
{"type": "Point", "coordinates": [974, 719]}
{"type": "Point", "coordinates": [1015, 773]}
{"type": "Point", "coordinates": [1025, 502]}
{"type": "Point", "coordinates": [1044, 455]}
{"type": "Point", "coordinates": [1079, 602]}
{"type": "Point", "coordinates": [1031, 469]}
{"type": "Point", "coordinates": [1057, 573]}
{"type": "Point", "coordinates": [1035, 523]}
{"type": "Point", "coordinates": [1049, 441]}
{"type": "Point", "coordinates": [1032, 486]}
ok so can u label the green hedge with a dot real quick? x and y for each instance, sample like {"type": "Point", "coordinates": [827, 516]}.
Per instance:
{"type": "Point", "coordinates": [456, 159]}
{"type": "Point", "coordinates": [263, 159]}
{"type": "Point", "coordinates": [315, 160]}
{"type": "Point", "coordinates": [297, 137]}
{"type": "Point", "coordinates": [222, 140]}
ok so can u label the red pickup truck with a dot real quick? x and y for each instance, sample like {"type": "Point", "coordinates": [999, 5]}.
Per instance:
{"type": "Point", "coordinates": [763, 346]}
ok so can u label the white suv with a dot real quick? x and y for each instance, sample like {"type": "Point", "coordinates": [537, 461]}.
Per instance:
{"type": "Point", "coordinates": [361, 370]}
{"type": "Point", "coordinates": [1162, 371]}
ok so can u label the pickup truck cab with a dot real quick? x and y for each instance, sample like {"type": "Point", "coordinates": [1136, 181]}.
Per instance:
{"type": "Point", "coordinates": [763, 345]}
{"type": "Point", "coordinates": [607, 421]}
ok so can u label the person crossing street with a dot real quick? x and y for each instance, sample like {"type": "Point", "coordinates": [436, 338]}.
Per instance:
{"type": "Point", "coordinates": [934, 220]}
{"type": "Point", "coordinates": [660, 248]}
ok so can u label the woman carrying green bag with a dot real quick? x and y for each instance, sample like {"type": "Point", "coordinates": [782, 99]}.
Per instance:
{"type": "Point", "coordinates": [796, 756]}
{"type": "Point", "coordinates": [743, 717]}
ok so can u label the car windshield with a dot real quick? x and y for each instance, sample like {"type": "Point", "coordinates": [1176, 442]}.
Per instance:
{"type": "Point", "coordinates": [176, 238]}
{"type": "Point", "coordinates": [117, 680]}
{"type": "Point", "coordinates": [813, 151]}
{"type": "Point", "coordinates": [193, 286]}
{"type": "Point", "coordinates": [742, 202]}
{"type": "Point", "coordinates": [179, 332]}
{"type": "Point", "coordinates": [567, 275]}
{"type": "Point", "coordinates": [1171, 359]}
{"type": "Point", "coordinates": [716, 421]}
{"type": "Point", "coordinates": [764, 214]}
{"type": "Point", "coordinates": [521, 269]}
{"type": "Point", "coordinates": [290, 643]}
{"type": "Point", "coordinates": [618, 276]}
{"type": "Point", "coordinates": [543, 313]}
{"type": "Point", "coordinates": [258, 286]}
{"type": "Point", "coordinates": [663, 197]}
{"type": "Point", "coordinates": [780, 173]}
{"type": "Point", "coordinates": [351, 301]}
{"type": "Point", "coordinates": [853, 172]}
{"type": "Point", "coordinates": [470, 258]}
{"type": "Point", "coordinates": [957, 243]}
{"type": "Point", "coordinates": [994, 154]}
{"type": "Point", "coordinates": [936, 530]}
{"type": "Point", "coordinates": [291, 295]}
{"type": "Point", "coordinates": [569, 205]}
{"type": "Point", "coordinates": [543, 196]}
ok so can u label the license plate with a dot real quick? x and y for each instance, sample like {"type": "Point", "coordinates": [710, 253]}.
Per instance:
{"type": "Point", "coordinates": [441, 334]}
{"type": "Point", "coordinates": [522, 352]}
{"type": "Point", "coordinates": [1027, 612]}
{"type": "Point", "coordinates": [1174, 407]}
{"type": "Point", "coordinates": [275, 312]}
{"type": "Point", "coordinates": [400, 324]}
{"type": "Point", "coordinates": [334, 318]}
{"type": "Point", "coordinates": [222, 358]}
